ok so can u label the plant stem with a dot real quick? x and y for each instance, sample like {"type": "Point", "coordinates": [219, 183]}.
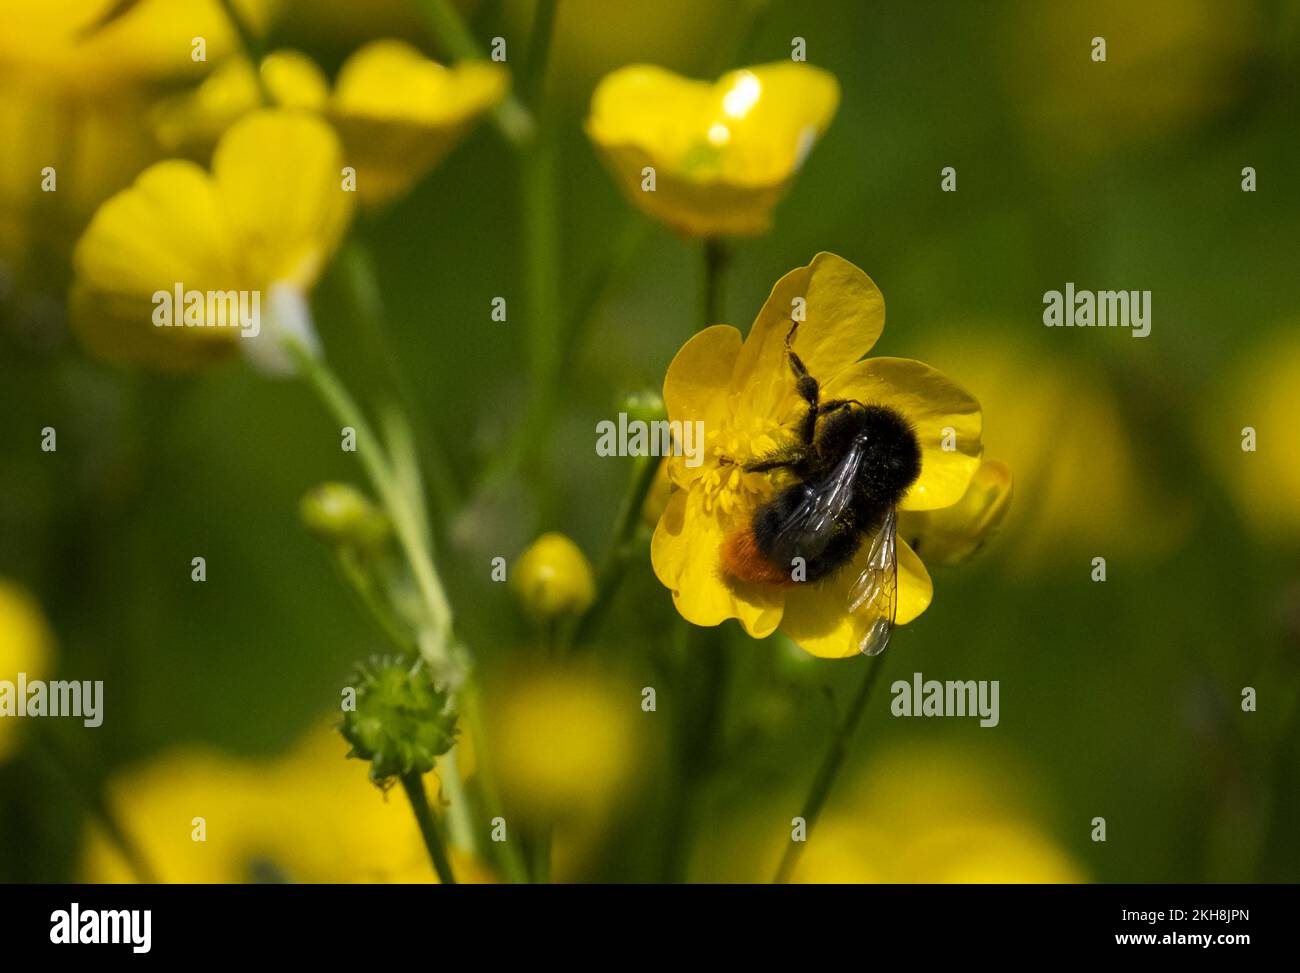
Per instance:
{"type": "Point", "coordinates": [716, 256]}
{"type": "Point", "coordinates": [360, 581]}
{"type": "Point", "coordinates": [836, 752]}
{"type": "Point", "coordinates": [413, 784]}
{"type": "Point", "coordinates": [540, 855]}
{"type": "Point", "coordinates": [610, 574]}
{"type": "Point", "coordinates": [539, 50]}
{"type": "Point", "coordinates": [357, 267]}
{"type": "Point", "coordinates": [399, 507]}
{"type": "Point", "coordinates": [699, 732]}
{"type": "Point", "coordinates": [511, 860]}
{"type": "Point", "coordinates": [512, 119]}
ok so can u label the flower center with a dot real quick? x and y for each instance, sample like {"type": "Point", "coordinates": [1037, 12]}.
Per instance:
{"type": "Point", "coordinates": [725, 484]}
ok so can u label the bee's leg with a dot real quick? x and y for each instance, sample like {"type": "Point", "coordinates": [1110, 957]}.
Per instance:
{"type": "Point", "coordinates": [834, 405]}
{"type": "Point", "coordinates": [808, 388]}
{"type": "Point", "coordinates": [790, 458]}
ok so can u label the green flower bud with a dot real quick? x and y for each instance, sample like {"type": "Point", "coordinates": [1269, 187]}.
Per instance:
{"type": "Point", "coordinates": [646, 405]}
{"type": "Point", "coordinates": [336, 513]}
{"type": "Point", "coordinates": [401, 722]}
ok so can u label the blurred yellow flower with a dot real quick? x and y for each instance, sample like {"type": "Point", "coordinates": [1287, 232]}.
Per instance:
{"type": "Point", "coordinates": [397, 112]}
{"type": "Point", "coordinates": [26, 645]}
{"type": "Point", "coordinates": [1081, 108]}
{"type": "Point", "coordinates": [400, 113]}
{"type": "Point", "coordinates": [84, 148]}
{"type": "Point", "coordinates": [710, 159]}
{"type": "Point", "coordinates": [259, 229]}
{"type": "Point", "coordinates": [563, 742]}
{"type": "Point", "coordinates": [311, 816]}
{"type": "Point", "coordinates": [57, 40]}
{"type": "Point", "coordinates": [192, 122]}
{"type": "Point", "coordinates": [918, 813]}
{"type": "Point", "coordinates": [924, 813]}
{"type": "Point", "coordinates": [553, 577]}
{"type": "Point", "coordinates": [72, 109]}
{"type": "Point", "coordinates": [952, 534]}
{"type": "Point", "coordinates": [745, 395]}
{"type": "Point", "coordinates": [1248, 436]}
{"type": "Point", "coordinates": [1084, 489]}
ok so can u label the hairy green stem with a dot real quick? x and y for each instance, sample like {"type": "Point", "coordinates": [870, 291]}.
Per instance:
{"type": "Point", "coordinates": [357, 270]}
{"type": "Point", "coordinates": [413, 784]}
{"type": "Point", "coordinates": [400, 508]}
{"type": "Point", "coordinates": [359, 579]}
{"type": "Point", "coordinates": [836, 753]}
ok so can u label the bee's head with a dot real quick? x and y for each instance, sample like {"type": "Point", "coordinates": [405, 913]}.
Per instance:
{"type": "Point", "coordinates": [893, 458]}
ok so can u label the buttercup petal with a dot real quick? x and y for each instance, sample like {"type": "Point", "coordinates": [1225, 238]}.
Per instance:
{"type": "Point", "coordinates": [400, 113]}
{"type": "Point", "coordinates": [193, 121]}
{"type": "Point", "coordinates": [817, 616]}
{"type": "Point", "coordinates": [686, 555]}
{"type": "Point", "coordinates": [278, 174]}
{"type": "Point", "coordinates": [168, 228]}
{"type": "Point", "coordinates": [952, 534]}
{"type": "Point", "coordinates": [695, 386]}
{"type": "Point", "coordinates": [942, 413]}
{"type": "Point", "coordinates": [843, 316]}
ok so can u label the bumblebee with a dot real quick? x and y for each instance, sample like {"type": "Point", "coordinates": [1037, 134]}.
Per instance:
{"type": "Point", "coordinates": [852, 463]}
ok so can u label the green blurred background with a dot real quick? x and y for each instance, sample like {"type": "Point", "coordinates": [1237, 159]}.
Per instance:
{"type": "Point", "coordinates": [1119, 699]}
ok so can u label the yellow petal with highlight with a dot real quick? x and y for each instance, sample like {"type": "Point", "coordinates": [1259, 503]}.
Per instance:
{"type": "Point", "coordinates": [843, 315]}
{"type": "Point", "coordinates": [722, 153]}
{"type": "Point", "coordinates": [168, 228]}
{"type": "Point", "coordinates": [817, 616]}
{"type": "Point", "coordinates": [944, 416]}
{"type": "Point", "coordinates": [686, 555]}
{"type": "Point", "coordinates": [278, 174]}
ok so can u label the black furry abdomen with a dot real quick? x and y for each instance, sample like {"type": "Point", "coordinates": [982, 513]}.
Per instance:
{"type": "Point", "coordinates": [882, 451]}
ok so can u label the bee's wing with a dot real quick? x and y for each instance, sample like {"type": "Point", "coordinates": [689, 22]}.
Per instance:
{"type": "Point", "coordinates": [809, 526]}
{"type": "Point", "coordinates": [875, 593]}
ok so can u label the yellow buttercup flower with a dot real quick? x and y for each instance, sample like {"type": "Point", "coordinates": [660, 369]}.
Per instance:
{"type": "Point", "coordinates": [193, 121]}
{"type": "Point", "coordinates": [1050, 421]}
{"type": "Point", "coordinates": [60, 40]}
{"type": "Point", "coordinates": [197, 815]}
{"type": "Point", "coordinates": [72, 106]}
{"type": "Point", "coordinates": [177, 270]}
{"type": "Point", "coordinates": [564, 741]}
{"type": "Point", "coordinates": [26, 645]}
{"type": "Point", "coordinates": [928, 815]}
{"type": "Point", "coordinates": [952, 534]}
{"type": "Point", "coordinates": [400, 113]}
{"type": "Point", "coordinates": [397, 112]}
{"type": "Point", "coordinates": [744, 394]}
{"type": "Point", "coordinates": [553, 577]}
{"type": "Point", "coordinates": [710, 159]}
{"type": "Point", "coordinates": [918, 813]}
